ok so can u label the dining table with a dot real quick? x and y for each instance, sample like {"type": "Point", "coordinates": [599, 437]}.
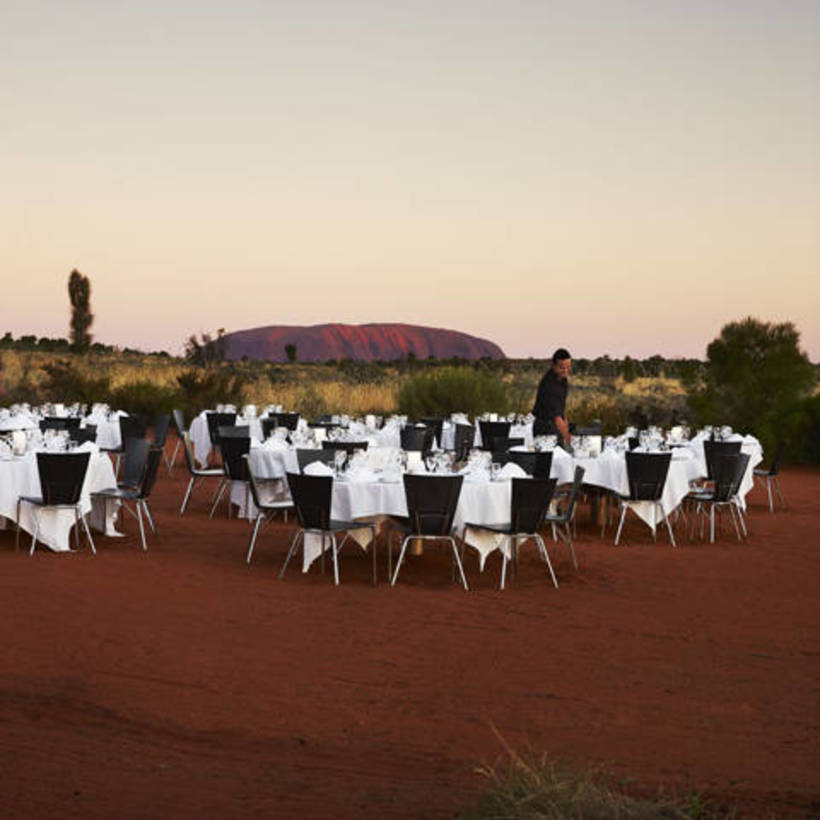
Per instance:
{"type": "Point", "coordinates": [19, 477]}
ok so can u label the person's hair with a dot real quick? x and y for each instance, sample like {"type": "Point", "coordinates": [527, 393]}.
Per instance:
{"type": "Point", "coordinates": [560, 354]}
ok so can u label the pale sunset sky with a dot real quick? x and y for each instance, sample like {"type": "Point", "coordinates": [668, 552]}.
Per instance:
{"type": "Point", "coordinates": [618, 177]}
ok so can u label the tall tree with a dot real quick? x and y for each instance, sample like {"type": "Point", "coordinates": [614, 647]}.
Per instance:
{"type": "Point", "coordinates": [79, 294]}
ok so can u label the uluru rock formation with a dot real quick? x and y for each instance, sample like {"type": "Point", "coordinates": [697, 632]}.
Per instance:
{"type": "Point", "coordinates": [385, 342]}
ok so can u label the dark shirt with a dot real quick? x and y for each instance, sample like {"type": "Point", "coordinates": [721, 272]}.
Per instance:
{"type": "Point", "coordinates": [550, 401]}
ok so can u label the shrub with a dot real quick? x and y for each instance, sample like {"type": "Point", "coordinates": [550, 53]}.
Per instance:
{"type": "Point", "coordinates": [452, 389]}
{"type": "Point", "coordinates": [755, 376]}
{"type": "Point", "coordinates": [200, 389]}
{"type": "Point", "coordinates": [144, 398]}
{"type": "Point", "coordinates": [66, 383]}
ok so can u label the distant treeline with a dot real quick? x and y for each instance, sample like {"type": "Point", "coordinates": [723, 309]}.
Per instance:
{"type": "Point", "coordinates": [62, 345]}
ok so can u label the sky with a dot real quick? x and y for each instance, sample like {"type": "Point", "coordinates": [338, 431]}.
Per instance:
{"type": "Point", "coordinates": [618, 177]}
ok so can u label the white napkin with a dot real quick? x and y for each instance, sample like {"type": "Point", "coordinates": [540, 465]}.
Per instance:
{"type": "Point", "coordinates": [317, 468]}
{"type": "Point", "coordinates": [512, 470]}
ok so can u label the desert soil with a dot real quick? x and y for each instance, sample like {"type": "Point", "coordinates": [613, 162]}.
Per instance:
{"type": "Point", "coordinates": [182, 683]}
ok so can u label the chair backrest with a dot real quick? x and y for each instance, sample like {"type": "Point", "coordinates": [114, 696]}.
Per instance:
{"type": "Point", "coordinates": [740, 471]}
{"type": "Point", "coordinates": [149, 477]}
{"type": "Point", "coordinates": [268, 425]}
{"type": "Point", "coordinates": [779, 452]}
{"type": "Point", "coordinates": [62, 476]}
{"type": "Point", "coordinates": [54, 423]}
{"type": "Point", "coordinates": [577, 480]}
{"type": "Point", "coordinates": [646, 473]}
{"type": "Point", "coordinates": [349, 447]}
{"type": "Point", "coordinates": [530, 503]}
{"type": "Point", "coordinates": [725, 475]}
{"type": "Point", "coordinates": [437, 426]}
{"type": "Point", "coordinates": [543, 465]}
{"type": "Point", "coordinates": [464, 437]}
{"type": "Point", "coordinates": [234, 431]}
{"type": "Point", "coordinates": [215, 421]}
{"type": "Point", "coordinates": [308, 456]}
{"type": "Point", "coordinates": [534, 464]}
{"type": "Point", "coordinates": [415, 437]}
{"type": "Point", "coordinates": [161, 423]}
{"type": "Point", "coordinates": [252, 480]}
{"type": "Point", "coordinates": [713, 449]}
{"type": "Point", "coordinates": [312, 495]}
{"type": "Point", "coordinates": [501, 443]}
{"type": "Point", "coordinates": [131, 427]}
{"type": "Point", "coordinates": [80, 435]}
{"type": "Point", "coordinates": [179, 421]}
{"type": "Point", "coordinates": [189, 452]}
{"type": "Point", "coordinates": [634, 442]}
{"type": "Point", "coordinates": [233, 448]}
{"type": "Point", "coordinates": [136, 454]}
{"type": "Point", "coordinates": [593, 429]}
{"type": "Point", "coordinates": [289, 420]}
{"type": "Point", "coordinates": [491, 430]}
{"type": "Point", "coordinates": [432, 502]}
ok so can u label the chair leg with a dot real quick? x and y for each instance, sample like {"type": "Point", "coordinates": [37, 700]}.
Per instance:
{"type": "Point", "coordinates": [620, 524]}
{"type": "Point", "coordinates": [17, 527]}
{"type": "Point", "coordinates": [776, 483]}
{"type": "Point", "coordinates": [404, 543]}
{"type": "Point", "coordinates": [150, 516]}
{"type": "Point", "coordinates": [76, 529]}
{"type": "Point", "coordinates": [712, 525]}
{"type": "Point", "coordinates": [173, 458]}
{"type": "Point", "coordinates": [669, 528]}
{"type": "Point", "coordinates": [734, 520]}
{"type": "Point", "coordinates": [504, 562]}
{"type": "Point", "coordinates": [547, 559]}
{"type": "Point", "coordinates": [335, 559]}
{"type": "Point", "coordinates": [571, 549]}
{"type": "Point", "coordinates": [741, 517]}
{"type": "Point", "coordinates": [36, 531]}
{"type": "Point", "coordinates": [769, 492]}
{"type": "Point", "coordinates": [142, 527]}
{"type": "Point", "coordinates": [293, 544]}
{"type": "Point", "coordinates": [222, 485]}
{"type": "Point", "coordinates": [458, 561]}
{"type": "Point", "coordinates": [375, 563]}
{"type": "Point", "coordinates": [253, 537]}
{"type": "Point", "coordinates": [187, 495]}
{"type": "Point", "coordinates": [88, 535]}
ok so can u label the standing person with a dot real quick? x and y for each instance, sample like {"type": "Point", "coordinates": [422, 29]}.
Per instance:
{"type": "Point", "coordinates": [550, 409]}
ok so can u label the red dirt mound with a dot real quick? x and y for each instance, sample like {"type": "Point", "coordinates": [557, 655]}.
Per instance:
{"type": "Point", "coordinates": [180, 682]}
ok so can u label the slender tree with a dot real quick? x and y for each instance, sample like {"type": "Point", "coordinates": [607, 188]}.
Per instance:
{"type": "Point", "coordinates": [79, 293]}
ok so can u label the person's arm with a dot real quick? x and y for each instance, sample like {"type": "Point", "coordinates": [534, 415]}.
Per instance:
{"type": "Point", "coordinates": [561, 425]}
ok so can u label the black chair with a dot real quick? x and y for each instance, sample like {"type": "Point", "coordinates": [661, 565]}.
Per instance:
{"type": "Point", "coordinates": [437, 426]}
{"type": "Point", "coordinates": [349, 447]}
{"type": "Point", "coordinates": [80, 435]}
{"type": "Point", "coordinates": [594, 429]}
{"type": "Point", "coordinates": [61, 483]}
{"type": "Point", "coordinates": [130, 427]}
{"type": "Point", "coordinates": [646, 474]}
{"type": "Point", "coordinates": [562, 520]}
{"type": "Point", "coordinates": [728, 470]}
{"type": "Point", "coordinates": [536, 464]}
{"type": "Point", "coordinates": [196, 474]}
{"type": "Point", "coordinates": [306, 456]}
{"type": "Point", "coordinates": [712, 450]}
{"type": "Point", "coordinates": [136, 455]}
{"type": "Point", "coordinates": [181, 427]}
{"type": "Point", "coordinates": [289, 421]}
{"type": "Point", "coordinates": [416, 437]}
{"type": "Point", "coordinates": [492, 430]}
{"type": "Point", "coordinates": [431, 507]}
{"type": "Point", "coordinates": [140, 493]}
{"type": "Point", "coordinates": [463, 440]}
{"type": "Point", "coordinates": [770, 477]}
{"type": "Point", "coordinates": [529, 507]}
{"type": "Point", "coordinates": [215, 421]}
{"type": "Point", "coordinates": [233, 448]}
{"type": "Point", "coordinates": [312, 496]}
{"type": "Point", "coordinates": [634, 442]}
{"type": "Point", "coordinates": [265, 507]}
{"type": "Point", "coordinates": [234, 431]}
{"type": "Point", "coordinates": [162, 421]}
{"type": "Point", "coordinates": [59, 423]}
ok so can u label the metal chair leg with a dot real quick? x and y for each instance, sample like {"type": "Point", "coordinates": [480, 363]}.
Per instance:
{"type": "Point", "coordinates": [620, 524]}
{"type": "Point", "coordinates": [293, 544]}
{"type": "Point", "coordinates": [458, 561]}
{"type": "Point", "coordinates": [142, 527]}
{"type": "Point", "coordinates": [88, 535]}
{"type": "Point", "coordinates": [187, 495]}
{"type": "Point", "coordinates": [335, 559]}
{"type": "Point", "coordinates": [669, 528]}
{"type": "Point", "coordinates": [547, 558]}
{"type": "Point", "coordinates": [404, 543]}
{"type": "Point", "coordinates": [36, 531]}
{"type": "Point", "coordinates": [253, 537]}
{"type": "Point", "coordinates": [222, 485]}
{"type": "Point", "coordinates": [150, 515]}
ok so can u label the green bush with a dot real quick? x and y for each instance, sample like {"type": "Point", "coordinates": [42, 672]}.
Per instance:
{"type": "Point", "coordinates": [144, 399]}
{"type": "Point", "coordinates": [203, 388]}
{"type": "Point", "coordinates": [65, 383]}
{"type": "Point", "coordinates": [756, 379]}
{"type": "Point", "coordinates": [448, 390]}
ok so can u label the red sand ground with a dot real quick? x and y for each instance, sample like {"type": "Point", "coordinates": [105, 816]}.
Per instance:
{"type": "Point", "coordinates": [182, 683]}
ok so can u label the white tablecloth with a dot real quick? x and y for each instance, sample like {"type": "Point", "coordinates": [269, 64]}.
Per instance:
{"type": "Point", "coordinates": [18, 476]}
